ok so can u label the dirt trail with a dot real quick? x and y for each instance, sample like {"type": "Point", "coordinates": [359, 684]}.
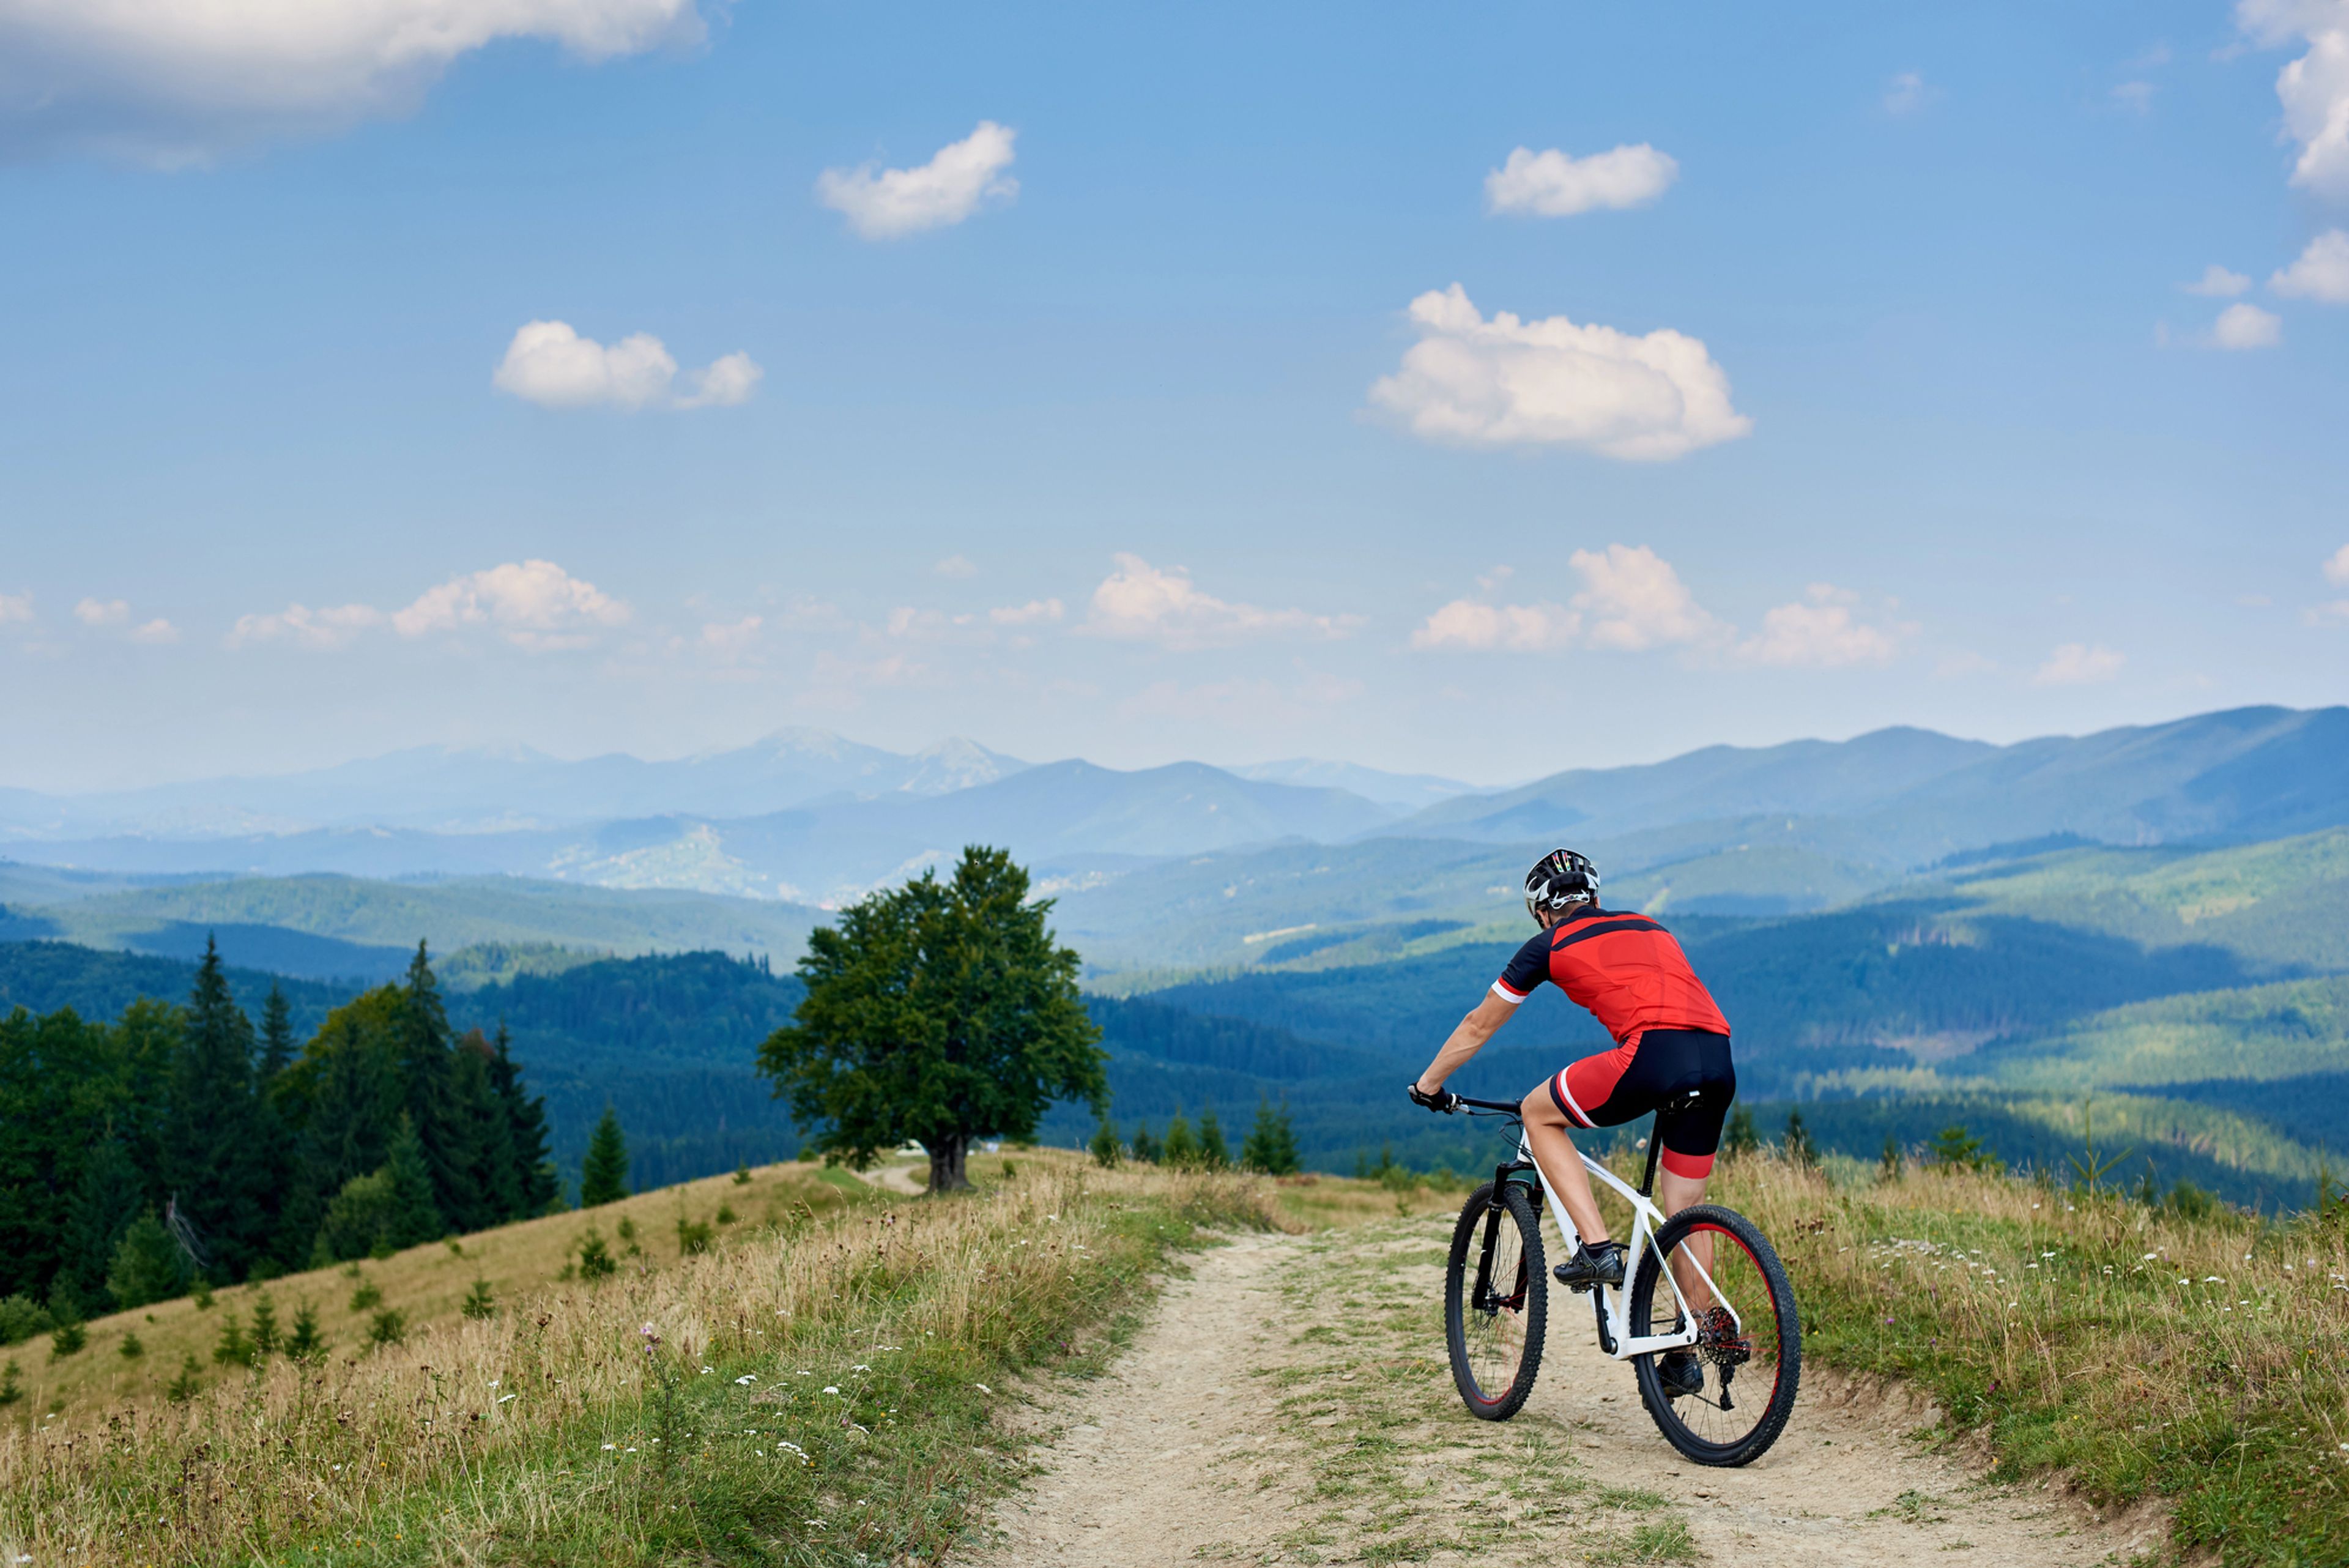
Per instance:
{"type": "Point", "coordinates": [1287, 1403]}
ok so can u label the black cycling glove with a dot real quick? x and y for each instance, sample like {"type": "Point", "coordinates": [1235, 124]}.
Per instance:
{"type": "Point", "coordinates": [1442, 1100]}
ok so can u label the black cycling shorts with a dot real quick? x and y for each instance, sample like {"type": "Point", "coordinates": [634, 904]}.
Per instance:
{"type": "Point", "coordinates": [1643, 1072]}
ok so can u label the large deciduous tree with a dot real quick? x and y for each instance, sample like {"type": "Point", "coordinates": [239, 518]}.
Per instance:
{"type": "Point", "coordinates": [943, 1012]}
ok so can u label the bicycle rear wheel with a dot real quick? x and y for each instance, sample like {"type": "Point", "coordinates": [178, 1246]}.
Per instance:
{"type": "Point", "coordinates": [1749, 1356]}
{"type": "Point", "coordinates": [1495, 1302]}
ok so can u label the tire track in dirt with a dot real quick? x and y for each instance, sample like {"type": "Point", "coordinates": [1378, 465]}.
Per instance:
{"type": "Point", "coordinates": [1288, 1402]}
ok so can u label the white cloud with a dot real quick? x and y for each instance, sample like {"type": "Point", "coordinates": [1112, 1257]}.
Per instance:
{"type": "Point", "coordinates": [2079, 664]}
{"type": "Point", "coordinates": [1634, 600]}
{"type": "Point", "coordinates": [330, 627]}
{"type": "Point", "coordinates": [157, 631]}
{"type": "Point", "coordinates": [1631, 600]}
{"type": "Point", "coordinates": [1473, 382]}
{"type": "Point", "coordinates": [1820, 630]}
{"type": "Point", "coordinates": [1907, 93]}
{"type": "Point", "coordinates": [16, 607]}
{"type": "Point", "coordinates": [2336, 571]}
{"type": "Point", "coordinates": [1138, 602]}
{"type": "Point", "coordinates": [552, 366]}
{"type": "Point", "coordinates": [2137, 96]}
{"type": "Point", "coordinates": [2313, 88]}
{"type": "Point", "coordinates": [1519, 629]}
{"type": "Point", "coordinates": [955, 566]}
{"type": "Point", "coordinates": [2242, 327]}
{"type": "Point", "coordinates": [725, 381]}
{"type": "Point", "coordinates": [890, 203]}
{"type": "Point", "coordinates": [1028, 614]}
{"type": "Point", "coordinates": [178, 83]}
{"type": "Point", "coordinates": [102, 612]}
{"type": "Point", "coordinates": [731, 640]}
{"type": "Point", "coordinates": [534, 605]}
{"type": "Point", "coordinates": [2218, 283]}
{"type": "Point", "coordinates": [2322, 273]}
{"type": "Point", "coordinates": [1553, 185]}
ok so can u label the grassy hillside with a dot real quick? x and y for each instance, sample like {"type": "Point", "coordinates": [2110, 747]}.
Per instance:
{"type": "Point", "coordinates": [2142, 1352]}
{"type": "Point", "coordinates": [425, 1285]}
{"type": "Point", "coordinates": [824, 1389]}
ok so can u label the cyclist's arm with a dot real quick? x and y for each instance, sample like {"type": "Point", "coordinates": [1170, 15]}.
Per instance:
{"type": "Point", "coordinates": [1467, 1038]}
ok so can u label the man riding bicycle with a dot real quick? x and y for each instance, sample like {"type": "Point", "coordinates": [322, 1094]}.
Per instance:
{"type": "Point", "coordinates": [1671, 1047]}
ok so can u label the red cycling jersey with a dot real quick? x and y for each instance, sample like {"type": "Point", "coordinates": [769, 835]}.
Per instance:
{"type": "Point", "coordinates": [1625, 968]}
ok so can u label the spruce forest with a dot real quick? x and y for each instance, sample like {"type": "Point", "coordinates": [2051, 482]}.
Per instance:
{"type": "Point", "coordinates": [179, 1146]}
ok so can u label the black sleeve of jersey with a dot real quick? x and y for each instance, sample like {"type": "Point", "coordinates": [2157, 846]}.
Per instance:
{"type": "Point", "coordinates": [1527, 970]}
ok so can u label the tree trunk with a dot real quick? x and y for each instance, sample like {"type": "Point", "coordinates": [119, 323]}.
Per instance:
{"type": "Point", "coordinates": [946, 1164]}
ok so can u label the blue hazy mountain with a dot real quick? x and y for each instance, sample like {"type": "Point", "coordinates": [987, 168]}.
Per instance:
{"type": "Point", "coordinates": [449, 790]}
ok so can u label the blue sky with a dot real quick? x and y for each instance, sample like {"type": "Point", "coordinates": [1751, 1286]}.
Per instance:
{"type": "Point", "coordinates": [1152, 456]}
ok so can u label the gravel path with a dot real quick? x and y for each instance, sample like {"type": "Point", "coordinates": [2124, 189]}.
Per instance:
{"type": "Point", "coordinates": [1288, 1403]}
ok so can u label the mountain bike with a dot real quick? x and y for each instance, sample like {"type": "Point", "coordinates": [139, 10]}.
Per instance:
{"type": "Point", "coordinates": [1747, 1336]}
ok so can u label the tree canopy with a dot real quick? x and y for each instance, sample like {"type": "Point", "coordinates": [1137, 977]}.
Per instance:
{"type": "Point", "coordinates": [939, 1010]}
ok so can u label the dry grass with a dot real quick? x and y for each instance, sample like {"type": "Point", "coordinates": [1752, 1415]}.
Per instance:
{"type": "Point", "coordinates": [425, 1284]}
{"type": "Point", "coordinates": [818, 1390]}
{"type": "Point", "coordinates": [2140, 1351]}
{"type": "Point", "coordinates": [1314, 1202]}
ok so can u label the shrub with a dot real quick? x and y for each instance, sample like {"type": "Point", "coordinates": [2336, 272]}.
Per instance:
{"type": "Point", "coordinates": [147, 1266]}
{"type": "Point", "coordinates": [595, 1259]}
{"type": "Point", "coordinates": [12, 1387]}
{"type": "Point", "coordinates": [67, 1340]}
{"type": "Point", "coordinates": [232, 1348]}
{"type": "Point", "coordinates": [480, 1301]}
{"type": "Point", "coordinates": [131, 1348]}
{"type": "Point", "coordinates": [187, 1384]}
{"type": "Point", "coordinates": [1954, 1149]}
{"type": "Point", "coordinates": [1800, 1150]}
{"type": "Point", "coordinates": [21, 1317]}
{"type": "Point", "coordinates": [693, 1235]}
{"type": "Point", "coordinates": [1105, 1149]}
{"type": "Point", "coordinates": [725, 1215]}
{"type": "Point", "coordinates": [368, 1294]}
{"type": "Point", "coordinates": [742, 1174]}
{"type": "Point", "coordinates": [387, 1327]}
{"type": "Point", "coordinates": [1145, 1147]}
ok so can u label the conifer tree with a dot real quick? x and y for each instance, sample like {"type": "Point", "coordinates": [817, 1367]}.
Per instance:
{"type": "Point", "coordinates": [1271, 1145]}
{"type": "Point", "coordinates": [211, 1165]}
{"type": "Point", "coordinates": [604, 1177]}
{"type": "Point", "coordinates": [148, 1265]}
{"type": "Point", "coordinates": [1105, 1147]}
{"type": "Point", "coordinates": [415, 1217]}
{"type": "Point", "coordinates": [109, 1199]}
{"type": "Point", "coordinates": [1213, 1154]}
{"type": "Point", "coordinates": [277, 1035]}
{"type": "Point", "coordinates": [534, 1174]}
{"type": "Point", "coordinates": [480, 1142]}
{"type": "Point", "coordinates": [1145, 1147]}
{"type": "Point", "coordinates": [1181, 1150]}
{"type": "Point", "coordinates": [426, 1068]}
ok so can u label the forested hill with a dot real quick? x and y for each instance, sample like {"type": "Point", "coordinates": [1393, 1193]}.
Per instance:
{"type": "Point", "coordinates": [97, 983]}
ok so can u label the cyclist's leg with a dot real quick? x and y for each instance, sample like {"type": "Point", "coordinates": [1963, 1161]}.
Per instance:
{"type": "Point", "coordinates": [1699, 1062]}
{"type": "Point", "coordinates": [1586, 1094]}
{"type": "Point", "coordinates": [1674, 1193]}
{"type": "Point", "coordinates": [1561, 1168]}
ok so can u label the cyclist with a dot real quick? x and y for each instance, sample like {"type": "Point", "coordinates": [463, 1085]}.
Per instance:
{"type": "Point", "coordinates": [1672, 1042]}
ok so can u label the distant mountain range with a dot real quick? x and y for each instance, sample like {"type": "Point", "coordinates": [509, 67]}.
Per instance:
{"type": "Point", "coordinates": [1191, 865]}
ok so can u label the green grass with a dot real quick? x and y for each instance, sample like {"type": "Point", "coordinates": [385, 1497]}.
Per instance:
{"type": "Point", "coordinates": [2138, 1352]}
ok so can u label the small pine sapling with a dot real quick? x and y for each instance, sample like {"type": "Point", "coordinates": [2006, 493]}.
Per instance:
{"type": "Point", "coordinates": [480, 1301]}
{"type": "Point", "coordinates": [185, 1387]}
{"type": "Point", "coordinates": [131, 1348]}
{"type": "Point", "coordinates": [305, 1344]}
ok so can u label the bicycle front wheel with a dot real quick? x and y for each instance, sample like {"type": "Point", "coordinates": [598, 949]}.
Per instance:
{"type": "Point", "coordinates": [1725, 1401]}
{"type": "Point", "coordinates": [1495, 1301]}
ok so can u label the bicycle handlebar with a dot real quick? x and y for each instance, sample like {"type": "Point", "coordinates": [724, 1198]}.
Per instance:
{"type": "Point", "coordinates": [1508, 1106]}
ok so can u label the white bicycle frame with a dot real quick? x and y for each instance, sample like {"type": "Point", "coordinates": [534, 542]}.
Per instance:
{"type": "Point", "coordinates": [1645, 1218]}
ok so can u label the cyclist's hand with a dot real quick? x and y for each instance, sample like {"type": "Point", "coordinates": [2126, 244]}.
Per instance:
{"type": "Point", "coordinates": [1442, 1100]}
